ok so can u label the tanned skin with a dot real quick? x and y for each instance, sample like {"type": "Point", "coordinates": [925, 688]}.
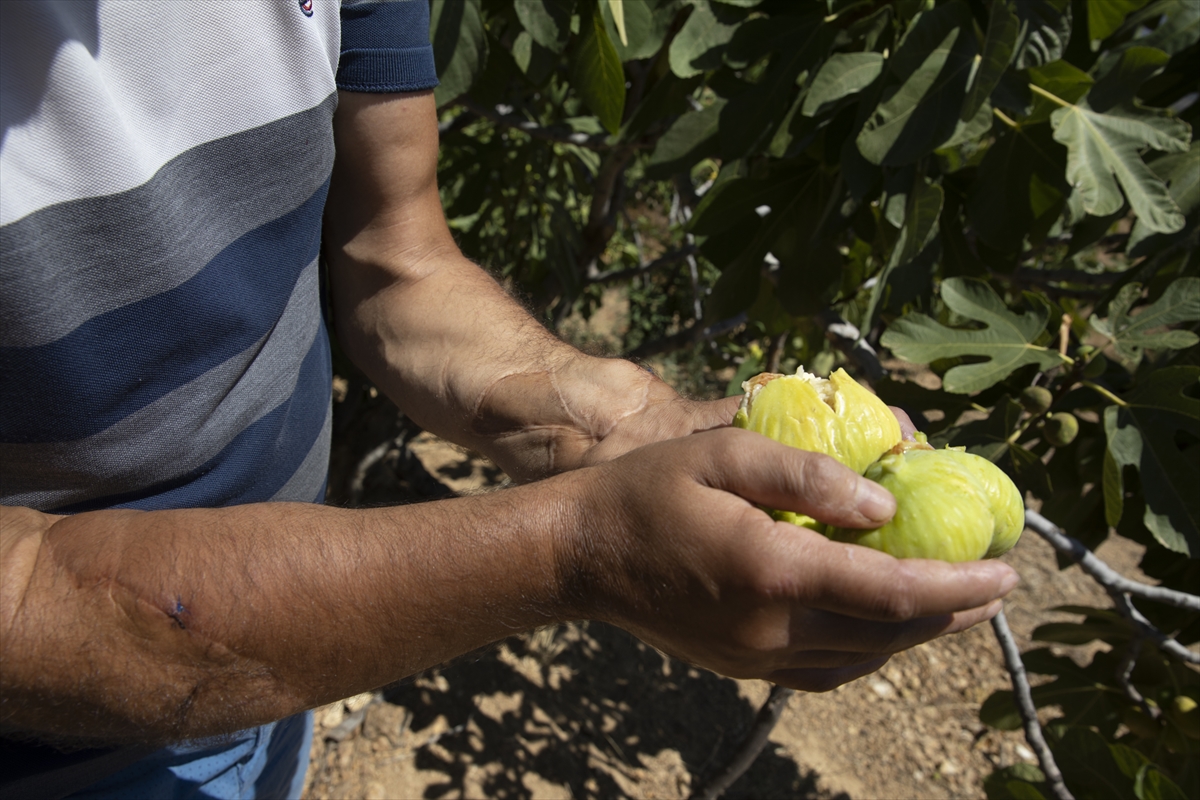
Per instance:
{"type": "Point", "coordinates": [153, 627]}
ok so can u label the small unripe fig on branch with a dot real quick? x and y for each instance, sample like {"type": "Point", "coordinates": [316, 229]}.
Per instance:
{"type": "Point", "coordinates": [1035, 399]}
{"type": "Point", "coordinates": [1061, 429]}
{"type": "Point", "coordinates": [951, 505]}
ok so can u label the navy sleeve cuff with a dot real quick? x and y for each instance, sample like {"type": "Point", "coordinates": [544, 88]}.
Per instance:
{"type": "Point", "coordinates": [387, 70]}
{"type": "Point", "coordinates": [385, 47]}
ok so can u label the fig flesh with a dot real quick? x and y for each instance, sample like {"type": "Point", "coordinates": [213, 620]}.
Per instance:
{"type": "Point", "coordinates": [834, 416]}
{"type": "Point", "coordinates": [950, 505]}
{"type": "Point", "coordinates": [837, 417]}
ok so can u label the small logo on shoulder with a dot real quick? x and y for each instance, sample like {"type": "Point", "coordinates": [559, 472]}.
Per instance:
{"type": "Point", "coordinates": [306, 7]}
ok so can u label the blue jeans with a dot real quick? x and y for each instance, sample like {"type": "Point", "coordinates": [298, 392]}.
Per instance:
{"type": "Point", "coordinates": [259, 764]}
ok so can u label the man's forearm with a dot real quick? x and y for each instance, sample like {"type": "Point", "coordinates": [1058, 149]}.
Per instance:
{"type": "Point", "coordinates": [433, 330]}
{"type": "Point", "coordinates": [154, 626]}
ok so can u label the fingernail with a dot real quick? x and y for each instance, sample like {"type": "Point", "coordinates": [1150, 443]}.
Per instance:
{"type": "Point", "coordinates": [874, 502]}
{"type": "Point", "coordinates": [1009, 582]}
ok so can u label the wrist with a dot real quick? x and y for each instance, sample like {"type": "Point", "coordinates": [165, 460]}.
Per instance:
{"type": "Point", "coordinates": [539, 423]}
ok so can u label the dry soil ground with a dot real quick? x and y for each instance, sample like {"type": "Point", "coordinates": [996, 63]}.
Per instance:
{"type": "Point", "coordinates": [588, 711]}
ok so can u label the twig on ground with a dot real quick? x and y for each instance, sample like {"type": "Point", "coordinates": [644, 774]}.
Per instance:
{"type": "Point", "coordinates": [1024, 700]}
{"type": "Point", "coordinates": [750, 747]}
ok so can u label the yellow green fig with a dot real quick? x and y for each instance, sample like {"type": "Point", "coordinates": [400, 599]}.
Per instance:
{"type": "Point", "coordinates": [837, 417]}
{"type": "Point", "coordinates": [950, 505]}
{"type": "Point", "coordinates": [834, 416]}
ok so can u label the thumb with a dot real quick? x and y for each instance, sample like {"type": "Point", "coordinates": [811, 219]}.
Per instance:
{"type": "Point", "coordinates": [770, 474]}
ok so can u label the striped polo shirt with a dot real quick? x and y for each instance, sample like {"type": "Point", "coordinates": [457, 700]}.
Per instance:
{"type": "Point", "coordinates": [163, 173]}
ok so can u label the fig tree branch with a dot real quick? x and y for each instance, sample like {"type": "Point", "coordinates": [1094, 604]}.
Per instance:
{"type": "Point", "coordinates": [1103, 574]}
{"type": "Point", "coordinates": [621, 275]}
{"type": "Point", "coordinates": [511, 119]}
{"type": "Point", "coordinates": [1023, 696]}
{"type": "Point", "coordinates": [750, 747]}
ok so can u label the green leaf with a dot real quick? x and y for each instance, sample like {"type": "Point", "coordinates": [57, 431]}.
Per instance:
{"type": "Point", "coordinates": [460, 46]}
{"type": "Point", "coordinates": [749, 121]}
{"type": "Point", "coordinates": [841, 75]}
{"type": "Point", "coordinates": [1180, 302]}
{"type": "Point", "coordinates": [701, 41]}
{"type": "Point", "coordinates": [809, 262]}
{"type": "Point", "coordinates": [1153, 785]}
{"type": "Point", "coordinates": [1106, 16]}
{"type": "Point", "coordinates": [998, 48]}
{"type": "Point", "coordinates": [934, 63]}
{"type": "Point", "coordinates": [616, 9]}
{"type": "Point", "coordinates": [547, 21]}
{"type": "Point", "coordinates": [1130, 70]}
{"type": "Point", "coordinates": [646, 26]}
{"type": "Point", "coordinates": [1103, 152]}
{"type": "Point", "coordinates": [1020, 181]}
{"type": "Point", "coordinates": [1150, 433]}
{"type": "Point", "coordinates": [690, 138]}
{"type": "Point", "coordinates": [667, 98]}
{"type": "Point", "coordinates": [597, 73]}
{"type": "Point", "coordinates": [1182, 173]}
{"type": "Point", "coordinates": [1045, 32]}
{"type": "Point", "coordinates": [535, 61]}
{"type": "Point", "coordinates": [1178, 26]}
{"type": "Point", "coordinates": [999, 711]}
{"type": "Point", "coordinates": [1016, 782]}
{"type": "Point", "coordinates": [920, 226]}
{"type": "Point", "coordinates": [1090, 768]}
{"type": "Point", "coordinates": [1061, 79]}
{"type": "Point", "coordinates": [1006, 341]}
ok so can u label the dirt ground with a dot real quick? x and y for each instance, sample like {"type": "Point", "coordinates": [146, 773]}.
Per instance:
{"type": "Point", "coordinates": [586, 710]}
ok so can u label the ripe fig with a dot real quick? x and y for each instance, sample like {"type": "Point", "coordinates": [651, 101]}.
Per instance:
{"type": "Point", "coordinates": [1061, 429]}
{"type": "Point", "coordinates": [836, 417]}
{"type": "Point", "coordinates": [950, 505]}
{"type": "Point", "coordinates": [1035, 399]}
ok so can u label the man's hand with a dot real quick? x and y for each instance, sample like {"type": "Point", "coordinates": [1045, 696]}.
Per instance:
{"type": "Point", "coordinates": [684, 558]}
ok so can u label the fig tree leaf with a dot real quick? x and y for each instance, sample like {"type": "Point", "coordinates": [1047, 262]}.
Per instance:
{"type": "Point", "coordinates": [690, 138]}
{"type": "Point", "coordinates": [1178, 26]}
{"type": "Point", "coordinates": [1000, 712]}
{"type": "Point", "coordinates": [1061, 79]}
{"type": "Point", "coordinates": [460, 46]}
{"type": "Point", "coordinates": [1019, 182]}
{"type": "Point", "coordinates": [1150, 433]}
{"type": "Point", "coordinates": [933, 64]}
{"type": "Point", "coordinates": [1182, 173]}
{"type": "Point", "coordinates": [1090, 765]}
{"type": "Point", "coordinates": [1130, 70]}
{"type": "Point", "coordinates": [1107, 16]}
{"type": "Point", "coordinates": [1044, 33]}
{"type": "Point", "coordinates": [645, 26]}
{"type": "Point", "coordinates": [1103, 158]}
{"type": "Point", "coordinates": [597, 74]}
{"type": "Point", "coordinates": [701, 41]}
{"type": "Point", "coordinates": [1180, 302]}
{"type": "Point", "coordinates": [998, 48]}
{"type": "Point", "coordinates": [1007, 340]}
{"type": "Point", "coordinates": [920, 226]}
{"type": "Point", "coordinates": [841, 75]}
{"type": "Point", "coordinates": [547, 21]}
{"type": "Point", "coordinates": [750, 120]}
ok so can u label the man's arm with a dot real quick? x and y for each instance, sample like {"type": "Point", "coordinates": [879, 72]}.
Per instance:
{"type": "Point", "coordinates": [443, 339]}
{"type": "Point", "coordinates": [124, 626]}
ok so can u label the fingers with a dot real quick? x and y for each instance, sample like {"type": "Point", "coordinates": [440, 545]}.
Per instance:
{"type": "Point", "coordinates": [907, 428]}
{"type": "Point", "coordinates": [834, 632]}
{"type": "Point", "coordinates": [863, 583]}
{"type": "Point", "coordinates": [824, 680]}
{"type": "Point", "coordinates": [771, 474]}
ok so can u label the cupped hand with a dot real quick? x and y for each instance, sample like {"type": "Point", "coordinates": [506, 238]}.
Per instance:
{"type": "Point", "coordinates": [678, 552]}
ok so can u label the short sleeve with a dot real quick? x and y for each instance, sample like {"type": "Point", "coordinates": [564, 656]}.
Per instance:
{"type": "Point", "coordinates": [385, 46]}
